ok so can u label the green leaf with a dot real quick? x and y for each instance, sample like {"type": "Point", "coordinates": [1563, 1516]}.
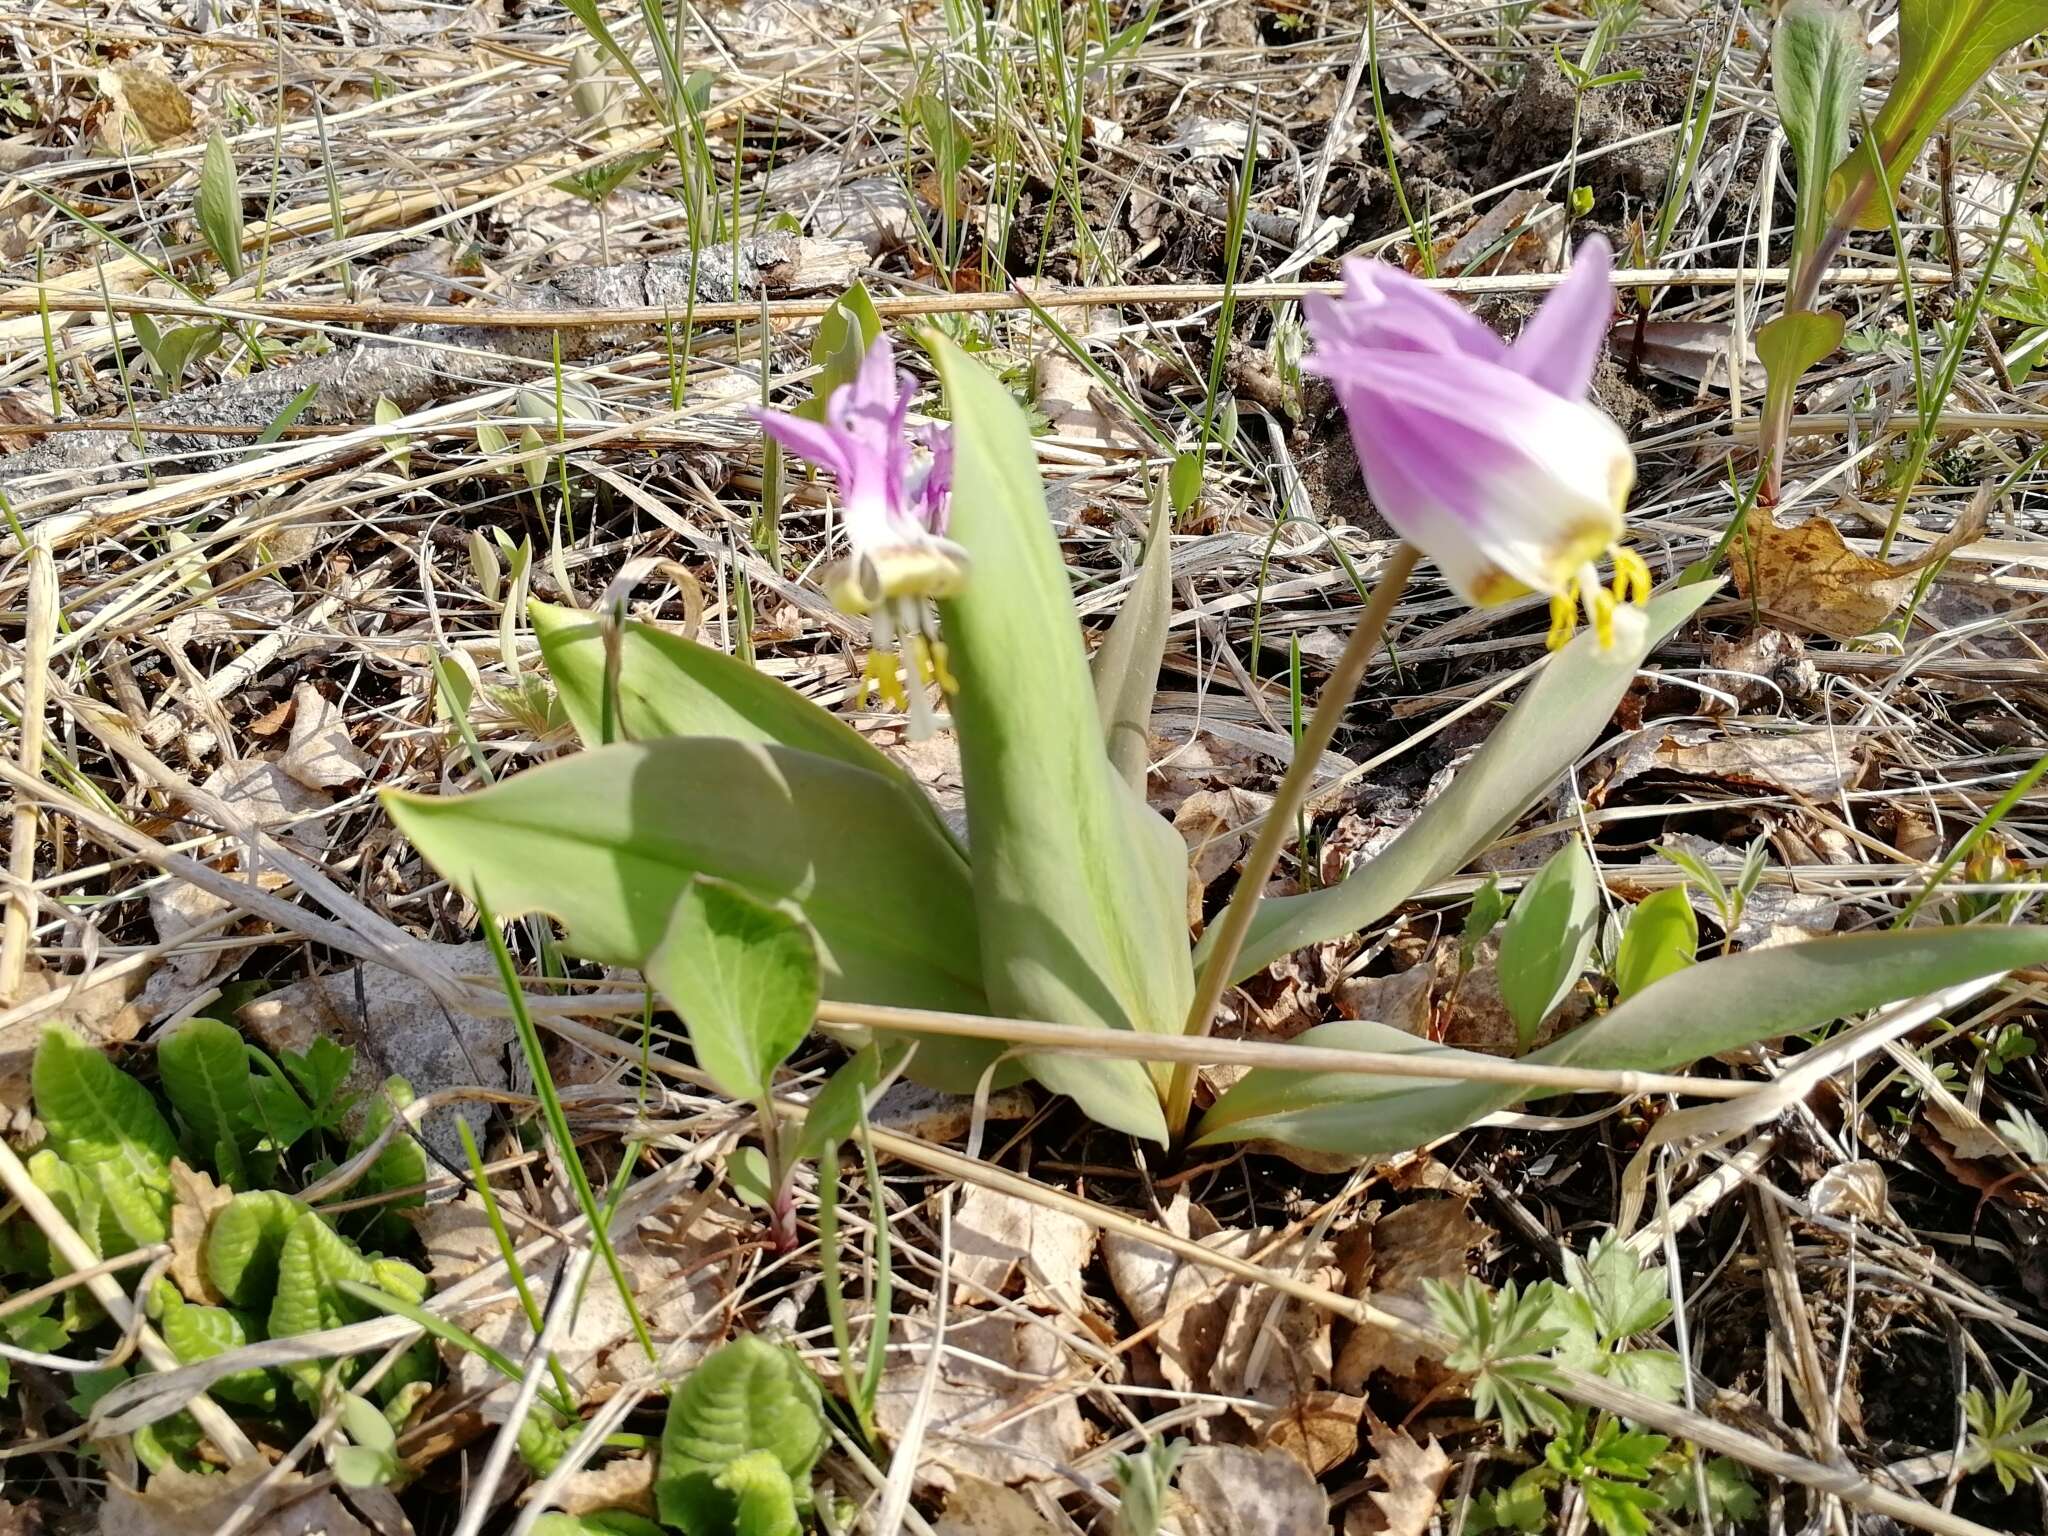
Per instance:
{"type": "Point", "coordinates": [244, 1243]}
{"type": "Point", "coordinates": [310, 1267]}
{"type": "Point", "coordinates": [767, 1498]}
{"type": "Point", "coordinates": [1731, 1496]}
{"type": "Point", "coordinates": [1945, 48]}
{"type": "Point", "coordinates": [1626, 1296]}
{"type": "Point", "coordinates": [1718, 1005]}
{"type": "Point", "coordinates": [747, 1171]}
{"type": "Point", "coordinates": [845, 332]}
{"type": "Point", "coordinates": [670, 686]}
{"type": "Point", "coordinates": [1559, 716]}
{"type": "Point", "coordinates": [607, 840]}
{"type": "Point", "coordinates": [219, 207]}
{"type": "Point", "coordinates": [1789, 345]}
{"type": "Point", "coordinates": [320, 1070]}
{"type": "Point", "coordinates": [200, 1333]}
{"type": "Point", "coordinates": [401, 1165]}
{"type": "Point", "coordinates": [1080, 886]}
{"type": "Point", "coordinates": [1547, 937]}
{"type": "Point", "coordinates": [1662, 937]}
{"type": "Point", "coordinates": [205, 1071]}
{"type": "Point", "coordinates": [107, 1127]}
{"type": "Point", "coordinates": [602, 1522]}
{"type": "Point", "coordinates": [1619, 1509]}
{"type": "Point", "coordinates": [1184, 480]}
{"type": "Point", "coordinates": [836, 1111]}
{"type": "Point", "coordinates": [1817, 64]}
{"type": "Point", "coordinates": [1144, 1482]}
{"type": "Point", "coordinates": [748, 1396]}
{"type": "Point", "coordinates": [744, 977]}
{"type": "Point", "coordinates": [1127, 662]}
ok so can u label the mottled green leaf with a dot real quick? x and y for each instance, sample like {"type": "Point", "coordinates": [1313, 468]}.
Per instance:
{"type": "Point", "coordinates": [748, 1396]}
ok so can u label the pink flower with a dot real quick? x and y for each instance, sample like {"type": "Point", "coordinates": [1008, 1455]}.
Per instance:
{"type": "Point", "coordinates": [1487, 457]}
{"type": "Point", "coordinates": [894, 485]}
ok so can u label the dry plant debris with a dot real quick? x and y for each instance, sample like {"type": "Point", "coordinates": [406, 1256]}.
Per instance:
{"type": "Point", "coordinates": [483, 328]}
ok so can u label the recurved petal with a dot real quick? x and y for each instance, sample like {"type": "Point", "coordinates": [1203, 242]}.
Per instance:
{"type": "Point", "coordinates": [1559, 346]}
{"type": "Point", "coordinates": [1384, 308]}
{"type": "Point", "coordinates": [813, 440]}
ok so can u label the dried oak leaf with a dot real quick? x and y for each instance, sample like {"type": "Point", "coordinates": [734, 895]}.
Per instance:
{"type": "Point", "coordinates": [1807, 575]}
{"type": "Point", "coordinates": [181, 1503]}
{"type": "Point", "coordinates": [195, 1197]}
{"type": "Point", "coordinates": [1424, 1240]}
{"type": "Point", "coordinates": [1318, 1429]}
{"type": "Point", "coordinates": [1003, 1405]}
{"type": "Point", "coordinates": [321, 754]}
{"type": "Point", "coordinates": [995, 1236]}
{"type": "Point", "coordinates": [1413, 1478]}
{"type": "Point", "coordinates": [979, 1508]}
{"type": "Point", "coordinates": [1232, 1490]}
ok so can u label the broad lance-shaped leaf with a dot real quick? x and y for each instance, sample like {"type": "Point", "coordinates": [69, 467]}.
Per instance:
{"type": "Point", "coordinates": [750, 1396]}
{"type": "Point", "coordinates": [606, 841]}
{"type": "Point", "coordinates": [1709, 1008]}
{"type": "Point", "coordinates": [1126, 664]}
{"type": "Point", "coordinates": [1547, 937]}
{"type": "Point", "coordinates": [744, 977]}
{"type": "Point", "coordinates": [1080, 886]}
{"type": "Point", "coordinates": [670, 686]}
{"type": "Point", "coordinates": [1559, 716]}
{"type": "Point", "coordinates": [105, 1124]}
{"type": "Point", "coordinates": [1945, 48]}
{"type": "Point", "coordinates": [1817, 64]}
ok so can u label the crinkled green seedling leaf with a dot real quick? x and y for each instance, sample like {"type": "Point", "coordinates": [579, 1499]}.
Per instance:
{"type": "Point", "coordinates": [1662, 937]}
{"type": "Point", "coordinates": [205, 1069]}
{"type": "Point", "coordinates": [743, 975]}
{"type": "Point", "coordinates": [244, 1242]}
{"type": "Point", "coordinates": [106, 1126]}
{"type": "Point", "coordinates": [1548, 936]}
{"type": "Point", "coordinates": [310, 1268]}
{"type": "Point", "coordinates": [199, 1333]}
{"type": "Point", "coordinates": [1716, 1006]}
{"type": "Point", "coordinates": [1558, 717]}
{"type": "Point", "coordinates": [767, 1498]}
{"type": "Point", "coordinates": [836, 1112]}
{"type": "Point", "coordinates": [748, 1396]}
{"type": "Point", "coordinates": [1079, 885]}
{"type": "Point", "coordinates": [600, 1522]}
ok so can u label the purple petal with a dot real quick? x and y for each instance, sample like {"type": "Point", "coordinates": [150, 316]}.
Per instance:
{"type": "Point", "coordinates": [1384, 308]}
{"type": "Point", "coordinates": [808, 439]}
{"type": "Point", "coordinates": [1559, 346]}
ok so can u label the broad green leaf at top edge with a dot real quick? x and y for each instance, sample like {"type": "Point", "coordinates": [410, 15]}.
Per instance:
{"type": "Point", "coordinates": [1081, 898]}
{"type": "Point", "coordinates": [1558, 717]}
{"type": "Point", "coordinates": [1547, 937]}
{"type": "Point", "coordinates": [1704, 1010]}
{"type": "Point", "coordinates": [1817, 65]}
{"type": "Point", "coordinates": [606, 840]}
{"type": "Point", "coordinates": [1126, 664]}
{"type": "Point", "coordinates": [744, 977]}
{"type": "Point", "coordinates": [748, 1396]}
{"type": "Point", "coordinates": [1945, 48]}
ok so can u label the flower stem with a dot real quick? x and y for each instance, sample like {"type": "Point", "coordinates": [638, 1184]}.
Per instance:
{"type": "Point", "coordinates": [1236, 921]}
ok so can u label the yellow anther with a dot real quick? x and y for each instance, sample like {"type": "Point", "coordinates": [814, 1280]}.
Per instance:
{"type": "Point", "coordinates": [1564, 618]}
{"type": "Point", "coordinates": [1631, 576]}
{"type": "Point", "coordinates": [1602, 604]}
{"type": "Point", "coordinates": [931, 665]}
{"type": "Point", "coordinates": [879, 673]}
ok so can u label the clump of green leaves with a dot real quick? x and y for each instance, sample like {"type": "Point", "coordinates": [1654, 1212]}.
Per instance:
{"type": "Point", "coordinates": [743, 1432]}
{"type": "Point", "coordinates": [2002, 1436]}
{"type": "Point", "coordinates": [1514, 1342]}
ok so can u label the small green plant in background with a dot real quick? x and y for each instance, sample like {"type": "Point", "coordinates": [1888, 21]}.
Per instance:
{"type": "Point", "coordinates": [2004, 1438]}
{"type": "Point", "coordinates": [1513, 1342]}
{"type": "Point", "coordinates": [218, 208]}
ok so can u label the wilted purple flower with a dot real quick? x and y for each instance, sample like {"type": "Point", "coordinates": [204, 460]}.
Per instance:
{"type": "Point", "coordinates": [895, 485]}
{"type": "Point", "coordinates": [1487, 457]}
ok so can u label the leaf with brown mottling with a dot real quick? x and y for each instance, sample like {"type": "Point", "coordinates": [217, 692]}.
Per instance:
{"type": "Point", "coordinates": [1808, 576]}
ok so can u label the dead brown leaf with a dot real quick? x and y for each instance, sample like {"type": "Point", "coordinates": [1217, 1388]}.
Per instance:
{"type": "Point", "coordinates": [457, 1237]}
{"type": "Point", "coordinates": [1523, 232]}
{"type": "Point", "coordinates": [180, 1503]}
{"type": "Point", "coordinates": [997, 1236]}
{"type": "Point", "coordinates": [261, 792]}
{"type": "Point", "coordinates": [102, 1015]}
{"type": "Point", "coordinates": [1003, 1406]}
{"type": "Point", "coordinates": [1807, 575]}
{"type": "Point", "coordinates": [979, 1508]}
{"type": "Point", "coordinates": [1232, 1490]}
{"type": "Point", "coordinates": [1816, 765]}
{"type": "Point", "coordinates": [195, 1197]}
{"type": "Point", "coordinates": [1318, 1429]}
{"type": "Point", "coordinates": [1413, 1478]}
{"type": "Point", "coordinates": [1217, 825]}
{"type": "Point", "coordinates": [321, 755]}
{"type": "Point", "coordinates": [145, 108]}
{"type": "Point", "coordinates": [624, 1482]}
{"type": "Point", "coordinates": [1693, 350]}
{"type": "Point", "coordinates": [911, 1109]}
{"type": "Point", "coordinates": [1423, 1240]}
